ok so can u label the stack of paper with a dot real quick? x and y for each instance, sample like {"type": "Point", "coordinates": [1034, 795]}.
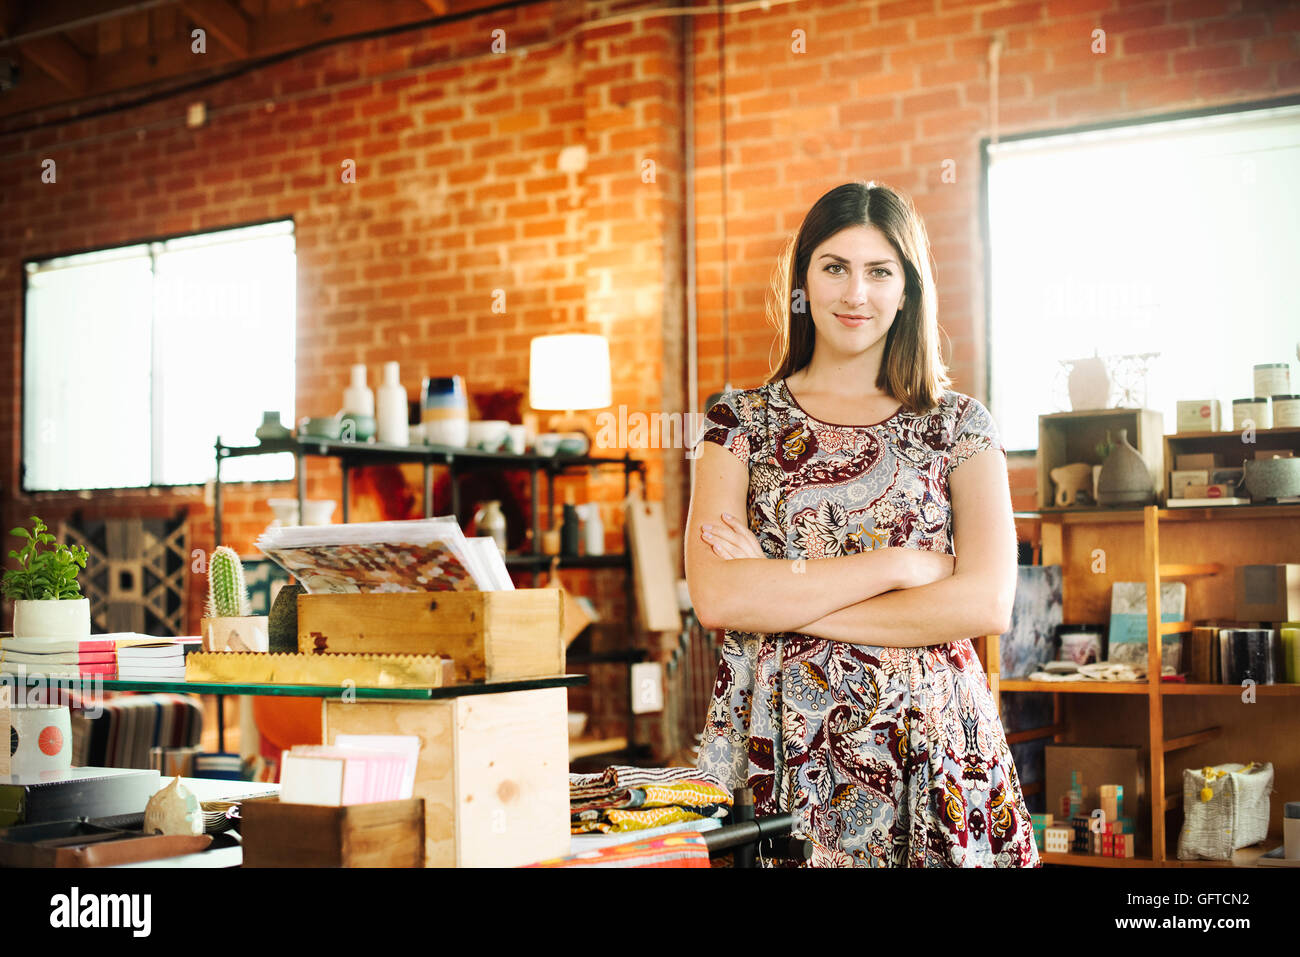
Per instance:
{"type": "Point", "coordinates": [427, 554]}
{"type": "Point", "coordinates": [63, 657]}
{"type": "Point", "coordinates": [156, 659]}
{"type": "Point", "coordinates": [357, 769]}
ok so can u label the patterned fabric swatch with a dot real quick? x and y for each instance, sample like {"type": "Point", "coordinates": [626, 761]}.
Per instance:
{"type": "Point", "coordinates": [683, 849]}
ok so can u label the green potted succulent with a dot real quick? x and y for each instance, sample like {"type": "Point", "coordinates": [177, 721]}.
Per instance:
{"type": "Point", "coordinates": [228, 626]}
{"type": "Point", "coordinates": [47, 597]}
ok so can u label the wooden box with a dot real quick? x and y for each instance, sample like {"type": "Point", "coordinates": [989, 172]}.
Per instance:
{"type": "Point", "coordinates": [493, 771]}
{"type": "Point", "coordinates": [384, 834]}
{"type": "Point", "coordinates": [490, 635]}
{"type": "Point", "coordinates": [1228, 450]}
{"type": "Point", "coordinates": [1068, 437]}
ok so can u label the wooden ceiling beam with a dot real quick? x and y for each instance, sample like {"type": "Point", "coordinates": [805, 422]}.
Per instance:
{"type": "Point", "coordinates": [223, 21]}
{"type": "Point", "coordinates": [60, 59]}
{"type": "Point", "coordinates": [138, 67]}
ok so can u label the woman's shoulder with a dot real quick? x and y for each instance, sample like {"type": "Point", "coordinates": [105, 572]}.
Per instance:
{"type": "Point", "coordinates": [743, 402]}
{"type": "Point", "coordinates": [954, 405]}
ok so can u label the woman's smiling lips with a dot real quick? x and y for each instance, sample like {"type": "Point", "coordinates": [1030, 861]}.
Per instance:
{"type": "Point", "coordinates": [851, 319]}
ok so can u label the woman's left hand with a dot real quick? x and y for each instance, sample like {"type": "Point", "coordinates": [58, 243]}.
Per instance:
{"type": "Point", "coordinates": [731, 539]}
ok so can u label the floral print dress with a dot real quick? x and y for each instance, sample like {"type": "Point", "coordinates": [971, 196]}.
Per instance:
{"type": "Point", "coordinates": [887, 757]}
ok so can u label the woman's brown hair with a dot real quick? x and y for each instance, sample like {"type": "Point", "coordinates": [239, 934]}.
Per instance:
{"type": "Point", "coordinates": [912, 369]}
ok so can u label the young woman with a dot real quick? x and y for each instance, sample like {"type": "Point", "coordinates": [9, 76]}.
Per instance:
{"type": "Point", "coordinates": [850, 528]}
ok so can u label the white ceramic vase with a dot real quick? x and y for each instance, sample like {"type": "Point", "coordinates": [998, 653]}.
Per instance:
{"type": "Point", "coordinates": [52, 618]}
{"type": "Point", "coordinates": [1089, 384]}
{"type": "Point", "coordinates": [238, 633]}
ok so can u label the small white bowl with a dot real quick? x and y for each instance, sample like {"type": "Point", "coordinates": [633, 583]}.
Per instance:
{"type": "Point", "coordinates": [548, 443]}
{"type": "Point", "coordinates": [488, 434]}
{"type": "Point", "coordinates": [577, 724]}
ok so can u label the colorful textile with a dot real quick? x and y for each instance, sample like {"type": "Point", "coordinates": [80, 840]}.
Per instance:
{"type": "Point", "coordinates": [614, 820]}
{"type": "Point", "coordinates": [686, 792]}
{"type": "Point", "coordinates": [619, 778]}
{"type": "Point", "coordinates": [887, 757]}
{"type": "Point", "coordinates": [683, 849]}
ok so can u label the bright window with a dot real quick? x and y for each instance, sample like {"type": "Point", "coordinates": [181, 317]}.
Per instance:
{"type": "Point", "coordinates": [1178, 237]}
{"type": "Point", "coordinates": [137, 358]}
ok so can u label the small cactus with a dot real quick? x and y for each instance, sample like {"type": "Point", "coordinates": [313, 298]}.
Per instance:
{"type": "Point", "coordinates": [227, 595]}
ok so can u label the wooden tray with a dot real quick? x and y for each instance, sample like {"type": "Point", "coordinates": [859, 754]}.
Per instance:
{"type": "Point", "coordinates": [364, 671]}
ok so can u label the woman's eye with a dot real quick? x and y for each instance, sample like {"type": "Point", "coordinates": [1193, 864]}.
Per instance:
{"type": "Point", "coordinates": [879, 269]}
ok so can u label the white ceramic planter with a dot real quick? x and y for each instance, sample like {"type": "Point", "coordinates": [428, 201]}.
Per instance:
{"type": "Point", "coordinates": [52, 618]}
{"type": "Point", "coordinates": [242, 633]}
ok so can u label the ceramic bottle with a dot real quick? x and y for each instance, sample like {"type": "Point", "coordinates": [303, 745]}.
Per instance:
{"type": "Point", "coordinates": [357, 397]}
{"type": "Point", "coordinates": [393, 418]}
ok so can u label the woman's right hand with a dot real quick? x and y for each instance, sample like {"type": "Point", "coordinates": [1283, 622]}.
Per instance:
{"type": "Point", "coordinates": [920, 567]}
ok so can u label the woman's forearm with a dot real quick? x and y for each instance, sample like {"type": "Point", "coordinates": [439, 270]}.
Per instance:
{"type": "Point", "coordinates": [769, 595]}
{"type": "Point", "coordinates": [957, 607]}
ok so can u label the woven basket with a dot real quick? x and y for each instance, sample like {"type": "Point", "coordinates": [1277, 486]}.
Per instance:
{"type": "Point", "coordinates": [1225, 807]}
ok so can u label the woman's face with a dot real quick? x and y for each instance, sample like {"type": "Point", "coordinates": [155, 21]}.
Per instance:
{"type": "Point", "coordinates": [855, 289]}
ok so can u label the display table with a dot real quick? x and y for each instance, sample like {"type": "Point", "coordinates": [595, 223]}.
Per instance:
{"type": "Point", "coordinates": [493, 765]}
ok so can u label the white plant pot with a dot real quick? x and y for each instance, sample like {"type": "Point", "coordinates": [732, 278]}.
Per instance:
{"type": "Point", "coordinates": [52, 618]}
{"type": "Point", "coordinates": [239, 633]}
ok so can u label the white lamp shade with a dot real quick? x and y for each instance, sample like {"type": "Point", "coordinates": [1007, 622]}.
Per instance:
{"type": "Point", "coordinates": [569, 372]}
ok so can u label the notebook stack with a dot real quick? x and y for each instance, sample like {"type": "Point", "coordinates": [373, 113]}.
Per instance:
{"type": "Point", "coordinates": [161, 659]}
{"type": "Point", "coordinates": [61, 657]}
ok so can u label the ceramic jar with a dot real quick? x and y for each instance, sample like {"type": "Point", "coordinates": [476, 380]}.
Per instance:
{"type": "Point", "coordinates": [1125, 478]}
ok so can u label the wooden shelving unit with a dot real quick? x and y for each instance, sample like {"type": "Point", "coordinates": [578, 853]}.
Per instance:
{"type": "Point", "coordinates": [1200, 546]}
{"type": "Point", "coordinates": [458, 461]}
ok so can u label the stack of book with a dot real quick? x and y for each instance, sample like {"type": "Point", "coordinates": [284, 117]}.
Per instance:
{"type": "Point", "coordinates": [61, 657]}
{"type": "Point", "coordinates": [162, 659]}
{"type": "Point", "coordinates": [126, 656]}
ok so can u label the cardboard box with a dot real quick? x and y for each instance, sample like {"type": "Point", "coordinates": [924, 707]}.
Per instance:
{"type": "Point", "coordinates": [1199, 460]}
{"type": "Point", "coordinates": [1112, 801]}
{"type": "Point", "coordinates": [1097, 766]}
{"type": "Point", "coordinates": [1198, 415]}
{"type": "Point", "coordinates": [1057, 839]}
{"type": "Point", "coordinates": [1267, 592]}
{"type": "Point", "coordinates": [1208, 491]}
{"type": "Point", "coordinates": [1179, 479]}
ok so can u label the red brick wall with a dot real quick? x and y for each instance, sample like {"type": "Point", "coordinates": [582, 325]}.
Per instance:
{"type": "Point", "coordinates": [458, 190]}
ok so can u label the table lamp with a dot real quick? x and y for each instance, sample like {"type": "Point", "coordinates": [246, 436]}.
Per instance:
{"type": "Point", "coordinates": [568, 373]}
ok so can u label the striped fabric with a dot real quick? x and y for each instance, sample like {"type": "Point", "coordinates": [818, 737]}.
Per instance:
{"type": "Point", "coordinates": [625, 798]}
{"type": "Point", "coordinates": [617, 779]}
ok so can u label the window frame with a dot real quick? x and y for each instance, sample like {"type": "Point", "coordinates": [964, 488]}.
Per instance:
{"type": "Point", "coordinates": [985, 214]}
{"type": "Point", "coordinates": [155, 452]}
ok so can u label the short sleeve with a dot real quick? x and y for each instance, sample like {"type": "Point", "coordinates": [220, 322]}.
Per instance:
{"type": "Point", "coordinates": [973, 432]}
{"type": "Point", "coordinates": [728, 424]}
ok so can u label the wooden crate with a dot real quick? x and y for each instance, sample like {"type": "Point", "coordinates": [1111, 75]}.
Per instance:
{"type": "Point", "coordinates": [1232, 451]}
{"type": "Point", "coordinates": [493, 771]}
{"type": "Point", "coordinates": [1068, 437]}
{"type": "Point", "coordinates": [384, 834]}
{"type": "Point", "coordinates": [490, 635]}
